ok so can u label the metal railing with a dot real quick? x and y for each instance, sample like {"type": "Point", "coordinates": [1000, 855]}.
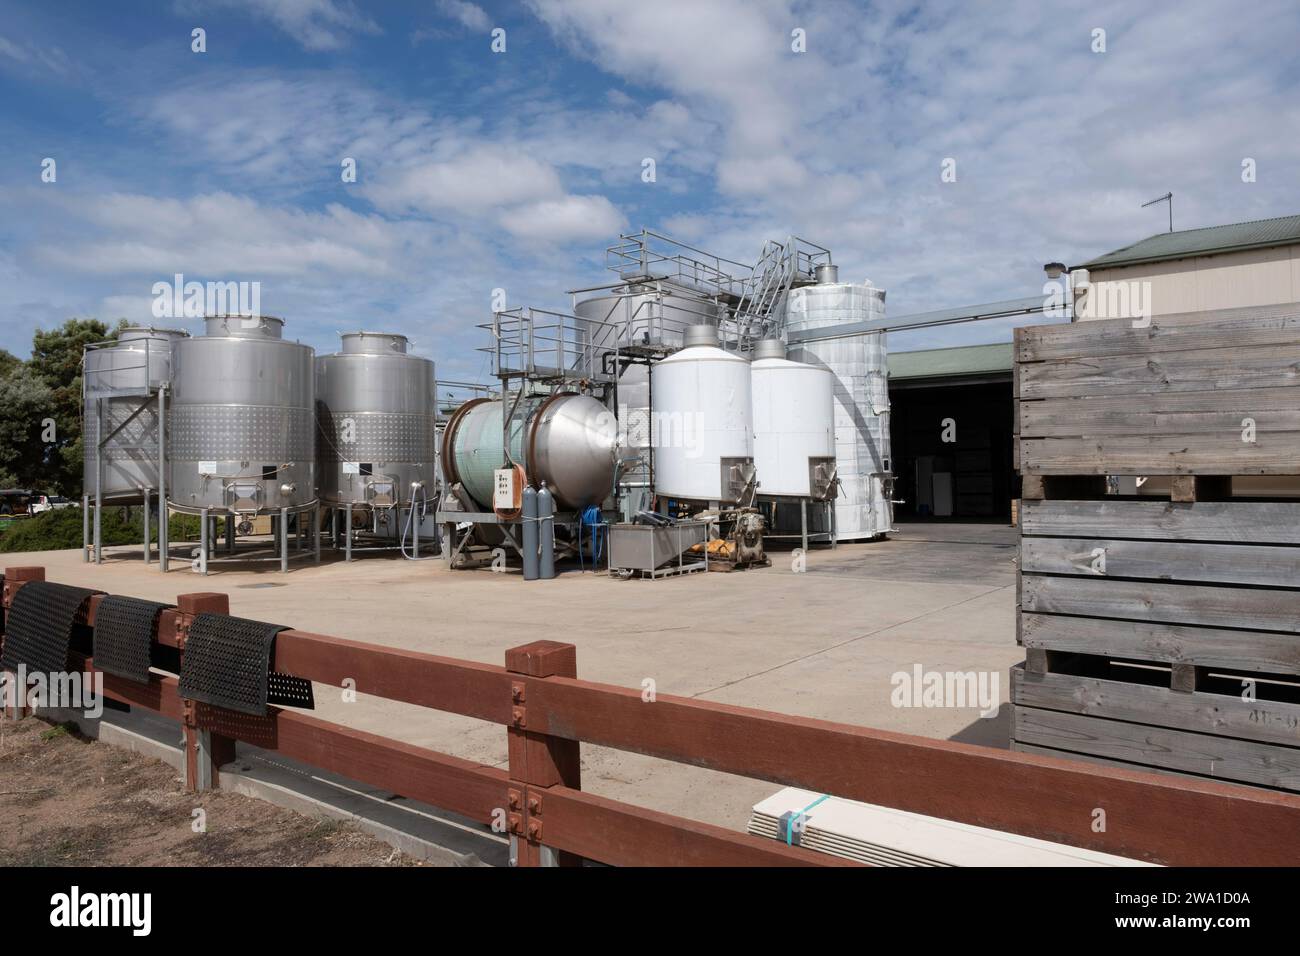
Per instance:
{"type": "Point", "coordinates": [651, 255]}
{"type": "Point", "coordinates": [547, 712]}
{"type": "Point", "coordinates": [544, 345]}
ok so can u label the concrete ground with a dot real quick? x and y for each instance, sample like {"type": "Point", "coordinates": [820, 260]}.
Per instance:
{"type": "Point", "coordinates": [824, 643]}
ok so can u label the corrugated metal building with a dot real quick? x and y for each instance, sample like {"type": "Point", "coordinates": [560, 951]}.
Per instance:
{"type": "Point", "coordinates": [1194, 270]}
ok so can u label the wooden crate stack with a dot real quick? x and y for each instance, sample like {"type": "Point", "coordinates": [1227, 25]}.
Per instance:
{"type": "Point", "coordinates": [1161, 632]}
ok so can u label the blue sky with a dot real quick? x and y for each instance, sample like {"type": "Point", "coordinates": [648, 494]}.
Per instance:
{"type": "Point", "coordinates": [479, 170]}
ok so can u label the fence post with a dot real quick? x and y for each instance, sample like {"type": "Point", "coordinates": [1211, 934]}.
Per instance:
{"type": "Point", "coordinates": [205, 751]}
{"type": "Point", "coordinates": [538, 761]}
{"type": "Point", "coordinates": [14, 579]}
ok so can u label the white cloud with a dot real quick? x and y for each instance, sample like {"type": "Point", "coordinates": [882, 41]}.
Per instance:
{"type": "Point", "coordinates": [317, 25]}
{"type": "Point", "coordinates": [482, 177]}
{"type": "Point", "coordinates": [469, 15]}
{"type": "Point", "coordinates": [33, 56]}
{"type": "Point", "coordinates": [567, 219]}
{"type": "Point", "coordinates": [224, 235]}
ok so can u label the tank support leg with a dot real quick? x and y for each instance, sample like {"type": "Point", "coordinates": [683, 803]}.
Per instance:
{"type": "Point", "coordinates": [284, 540]}
{"type": "Point", "coordinates": [230, 534]}
{"type": "Point", "coordinates": [315, 532]}
{"type": "Point", "coordinates": [146, 526]}
{"type": "Point", "coordinates": [334, 528]}
{"type": "Point", "coordinates": [203, 541]}
{"type": "Point", "coordinates": [347, 535]}
{"type": "Point", "coordinates": [85, 528]}
{"type": "Point", "coordinates": [803, 525]}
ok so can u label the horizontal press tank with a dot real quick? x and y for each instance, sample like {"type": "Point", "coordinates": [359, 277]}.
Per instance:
{"type": "Point", "coordinates": [862, 448]}
{"type": "Point", "coordinates": [794, 424]}
{"type": "Point", "coordinates": [703, 421]}
{"type": "Point", "coordinates": [242, 430]}
{"type": "Point", "coordinates": [567, 441]}
{"type": "Point", "coordinates": [120, 377]}
{"type": "Point", "coordinates": [375, 414]}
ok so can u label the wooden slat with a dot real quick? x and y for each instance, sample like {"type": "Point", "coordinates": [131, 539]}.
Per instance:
{"type": "Point", "coordinates": [607, 831]}
{"type": "Point", "coordinates": [1273, 453]}
{"type": "Point", "coordinates": [441, 683]}
{"type": "Point", "coordinates": [1265, 721]}
{"type": "Point", "coordinates": [1196, 370]}
{"type": "Point", "coordinates": [1226, 328]}
{"type": "Point", "coordinates": [471, 789]}
{"type": "Point", "coordinates": [1272, 410]}
{"type": "Point", "coordinates": [1199, 604]}
{"type": "Point", "coordinates": [1243, 522]}
{"type": "Point", "coordinates": [1220, 758]}
{"type": "Point", "coordinates": [1250, 651]}
{"type": "Point", "coordinates": [1262, 565]}
{"type": "Point", "coordinates": [1047, 799]}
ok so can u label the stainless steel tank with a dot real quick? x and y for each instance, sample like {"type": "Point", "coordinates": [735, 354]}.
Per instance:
{"type": "Point", "coordinates": [119, 378]}
{"type": "Point", "coordinates": [242, 422]}
{"type": "Point", "coordinates": [642, 315]}
{"type": "Point", "coordinates": [567, 441]}
{"type": "Point", "coordinates": [863, 508]}
{"type": "Point", "coordinates": [375, 414]}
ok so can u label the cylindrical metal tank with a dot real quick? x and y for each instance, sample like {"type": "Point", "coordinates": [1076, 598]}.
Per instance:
{"type": "Point", "coordinates": [642, 315]}
{"type": "Point", "coordinates": [242, 431]}
{"type": "Point", "coordinates": [703, 418]}
{"type": "Point", "coordinates": [375, 417]}
{"type": "Point", "coordinates": [119, 377]}
{"type": "Point", "coordinates": [862, 448]}
{"type": "Point", "coordinates": [565, 440]}
{"type": "Point", "coordinates": [794, 424]}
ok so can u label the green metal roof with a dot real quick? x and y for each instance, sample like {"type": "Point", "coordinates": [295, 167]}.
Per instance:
{"type": "Point", "coordinates": [1259, 234]}
{"type": "Point", "coordinates": [941, 363]}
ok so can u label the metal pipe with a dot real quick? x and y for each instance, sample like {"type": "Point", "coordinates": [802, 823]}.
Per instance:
{"type": "Point", "coordinates": [284, 540]}
{"type": "Point", "coordinates": [99, 479]}
{"type": "Point", "coordinates": [164, 537]}
{"type": "Point", "coordinates": [203, 541]}
{"type": "Point", "coordinates": [315, 531]}
{"type": "Point", "coordinates": [347, 538]}
{"type": "Point", "coordinates": [146, 526]}
{"type": "Point", "coordinates": [85, 528]}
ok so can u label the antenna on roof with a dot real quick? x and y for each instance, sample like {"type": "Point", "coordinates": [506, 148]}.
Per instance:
{"type": "Point", "coordinates": [1169, 198]}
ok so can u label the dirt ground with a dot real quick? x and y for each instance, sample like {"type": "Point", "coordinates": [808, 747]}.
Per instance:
{"type": "Point", "coordinates": [69, 801]}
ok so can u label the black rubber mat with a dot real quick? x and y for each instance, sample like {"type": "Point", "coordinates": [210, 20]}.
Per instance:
{"type": "Point", "coordinates": [227, 663]}
{"type": "Point", "coordinates": [40, 624]}
{"type": "Point", "coordinates": [124, 633]}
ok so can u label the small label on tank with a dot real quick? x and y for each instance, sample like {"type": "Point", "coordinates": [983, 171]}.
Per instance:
{"type": "Point", "coordinates": [352, 468]}
{"type": "Point", "coordinates": [207, 468]}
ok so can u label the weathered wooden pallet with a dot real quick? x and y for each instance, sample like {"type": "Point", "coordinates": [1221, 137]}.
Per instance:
{"type": "Point", "coordinates": [1038, 487]}
{"type": "Point", "coordinates": [1215, 393]}
{"type": "Point", "coordinates": [1204, 755]}
{"type": "Point", "coordinates": [1203, 584]}
{"type": "Point", "coordinates": [1249, 710]}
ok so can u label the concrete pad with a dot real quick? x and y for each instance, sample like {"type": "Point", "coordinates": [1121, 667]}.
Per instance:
{"type": "Point", "coordinates": [824, 643]}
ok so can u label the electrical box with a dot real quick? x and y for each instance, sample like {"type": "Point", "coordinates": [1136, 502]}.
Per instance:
{"type": "Point", "coordinates": [506, 493]}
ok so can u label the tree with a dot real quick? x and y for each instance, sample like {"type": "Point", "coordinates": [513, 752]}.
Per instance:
{"type": "Point", "coordinates": [27, 403]}
{"type": "Point", "coordinates": [56, 363]}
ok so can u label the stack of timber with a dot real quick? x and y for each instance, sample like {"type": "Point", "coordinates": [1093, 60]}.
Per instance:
{"type": "Point", "coordinates": [1161, 630]}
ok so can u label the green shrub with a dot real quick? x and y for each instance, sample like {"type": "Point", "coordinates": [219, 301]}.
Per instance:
{"type": "Point", "coordinates": [61, 529]}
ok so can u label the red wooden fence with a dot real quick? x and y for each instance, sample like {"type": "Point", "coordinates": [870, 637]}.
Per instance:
{"type": "Point", "coordinates": [548, 711]}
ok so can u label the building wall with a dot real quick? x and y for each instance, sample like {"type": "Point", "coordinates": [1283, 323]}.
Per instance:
{"type": "Point", "coordinates": [1225, 281]}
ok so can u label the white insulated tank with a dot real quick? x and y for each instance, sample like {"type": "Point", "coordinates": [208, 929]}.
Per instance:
{"type": "Point", "coordinates": [794, 424]}
{"type": "Point", "coordinates": [702, 423]}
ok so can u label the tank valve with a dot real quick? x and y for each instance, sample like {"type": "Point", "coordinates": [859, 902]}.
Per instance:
{"type": "Point", "coordinates": [288, 488]}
